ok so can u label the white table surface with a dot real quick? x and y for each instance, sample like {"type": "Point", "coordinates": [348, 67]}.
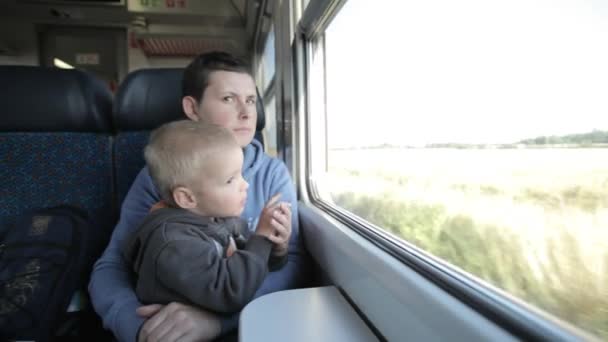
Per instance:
{"type": "Point", "coordinates": [313, 314]}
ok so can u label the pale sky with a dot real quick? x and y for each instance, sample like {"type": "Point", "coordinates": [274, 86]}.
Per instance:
{"type": "Point", "coordinates": [413, 72]}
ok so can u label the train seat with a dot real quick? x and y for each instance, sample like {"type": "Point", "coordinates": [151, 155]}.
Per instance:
{"type": "Point", "coordinates": [146, 99]}
{"type": "Point", "coordinates": [55, 145]}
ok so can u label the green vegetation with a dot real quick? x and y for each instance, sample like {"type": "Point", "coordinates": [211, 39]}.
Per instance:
{"type": "Point", "coordinates": [563, 285]}
{"type": "Point", "coordinates": [573, 196]}
{"type": "Point", "coordinates": [529, 219]}
{"type": "Point", "coordinates": [545, 199]}
{"type": "Point", "coordinates": [584, 198]}
{"type": "Point", "coordinates": [489, 190]}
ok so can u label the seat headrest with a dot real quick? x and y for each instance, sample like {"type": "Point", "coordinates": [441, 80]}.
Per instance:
{"type": "Point", "coordinates": [148, 98]}
{"type": "Point", "coordinates": [38, 99]}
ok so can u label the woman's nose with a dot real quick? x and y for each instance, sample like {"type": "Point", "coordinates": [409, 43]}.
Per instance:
{"type": "Point", "coordinates": [245, 110]}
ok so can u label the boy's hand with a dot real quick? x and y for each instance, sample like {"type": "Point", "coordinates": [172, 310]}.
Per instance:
{"type": "Point", "coordinates": [275, 225]}
{"type": "Point", "coordinates": [159, 205]}
{"type": "Point", "coordinates": [280, 238]}
{"type": "Point", "coordinates": [266, 224]}
{"type": "Point", "coordinates": [231, 248]}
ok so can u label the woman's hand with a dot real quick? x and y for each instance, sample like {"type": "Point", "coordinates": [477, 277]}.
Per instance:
{"type": "Point", "coordinates": [176, 321]}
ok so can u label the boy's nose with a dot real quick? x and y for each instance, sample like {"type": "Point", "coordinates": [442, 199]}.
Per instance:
{"type": "Point", "coordinates": [244, 185]}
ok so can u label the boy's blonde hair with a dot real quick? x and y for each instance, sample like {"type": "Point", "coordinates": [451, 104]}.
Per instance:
{"type": "Point", "coordinates": [178, 151]}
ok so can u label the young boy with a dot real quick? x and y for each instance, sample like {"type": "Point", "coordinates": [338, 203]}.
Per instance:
{"type": "Point", "coordinates": [186, 251]}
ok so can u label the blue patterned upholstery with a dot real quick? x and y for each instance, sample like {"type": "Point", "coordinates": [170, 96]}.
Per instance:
{"type": "Point", "coordinates": [47, 169]}
{"type": "Point", "coordinates": [129, 159]}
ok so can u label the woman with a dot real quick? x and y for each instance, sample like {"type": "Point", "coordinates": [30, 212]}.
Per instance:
{"type": "Point", "coordinates": [217, 88]}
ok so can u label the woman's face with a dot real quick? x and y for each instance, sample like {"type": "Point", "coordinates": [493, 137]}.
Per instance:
{"type": "Point", "coordinates": [230, 101]}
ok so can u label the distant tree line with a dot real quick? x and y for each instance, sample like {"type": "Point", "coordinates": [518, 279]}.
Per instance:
{"type": "Point", "coordinates": [594, 137]}
{"type": "Point", "coordinates": [589, 139]}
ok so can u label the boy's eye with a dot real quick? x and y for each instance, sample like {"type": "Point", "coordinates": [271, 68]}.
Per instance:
{"type": "Point", "coordinates": [230, 180]}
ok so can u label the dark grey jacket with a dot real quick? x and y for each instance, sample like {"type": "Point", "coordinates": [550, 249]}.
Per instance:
{"type": "Point", "coordinates": [180, 256]}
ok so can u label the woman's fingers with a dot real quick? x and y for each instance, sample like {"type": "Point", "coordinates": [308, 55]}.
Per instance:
{"type": "Point", "coordinates": [152, 323]}
{"type": "Point", "coordinates": [163, 332]}
{"type": "Point", "coordinates": [148, 311]}
{"type": "Point", "coordinates": [178, 321]}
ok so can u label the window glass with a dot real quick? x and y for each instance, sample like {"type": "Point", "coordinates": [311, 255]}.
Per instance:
{"type": "Point", "coordinates": [478, 131]}
{"type": "Point", "coordinates": [265, 75]}
{"type": "Point", "coordinates": [304, 3]}
{"type": "Point", "coordinates": [270, 131]}
{"type": "Point", "coordinates": [268, 61]}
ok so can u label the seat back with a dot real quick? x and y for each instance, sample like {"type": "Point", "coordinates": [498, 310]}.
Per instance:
{"type": "Point", "coordinates": [146, 99]}
{"type": "Point", "coordinates": [55, 128]}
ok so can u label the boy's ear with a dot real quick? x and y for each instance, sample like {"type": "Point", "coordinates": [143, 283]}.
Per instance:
{"type": "Point", "coordinates": [184, 198]}
{"type": "Point", "coordinates": [190, 105]}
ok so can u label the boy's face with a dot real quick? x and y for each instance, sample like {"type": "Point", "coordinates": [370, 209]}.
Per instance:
{"type": "Point", "coordinates": [229, 101]}
{"type": "Point", "coordinates": [221, 190]}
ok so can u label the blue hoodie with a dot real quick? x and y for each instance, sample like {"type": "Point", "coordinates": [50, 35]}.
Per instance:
{"type": "Point", "coordinates": [111, 287]}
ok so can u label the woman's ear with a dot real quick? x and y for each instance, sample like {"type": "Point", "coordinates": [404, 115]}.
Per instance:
{"type": "Point", "coordinates": [190, 107]}
{"type": "Point", "coordinates": [184, 198]}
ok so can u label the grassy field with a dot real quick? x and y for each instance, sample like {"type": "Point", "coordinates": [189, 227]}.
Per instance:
{"type": "Point", "coordinates": [533, 222]}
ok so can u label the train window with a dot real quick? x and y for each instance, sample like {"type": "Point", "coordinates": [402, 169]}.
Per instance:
{"type": "Point", "coordinates": [266, 76]}
{"type": "Point", "coordinates": [271, 126]}
{"type": "Point", "coordinates": [304, 3]}
{"type": "Point", "coordinates": [476, 131]}
{"type": "Point", "coordinates": [268, 62]}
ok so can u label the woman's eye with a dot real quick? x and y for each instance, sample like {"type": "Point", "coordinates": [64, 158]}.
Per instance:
{"type": "Point", "coordinates": [227, 98]}
{"type": "Point", "coordinates": [251, 101]}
